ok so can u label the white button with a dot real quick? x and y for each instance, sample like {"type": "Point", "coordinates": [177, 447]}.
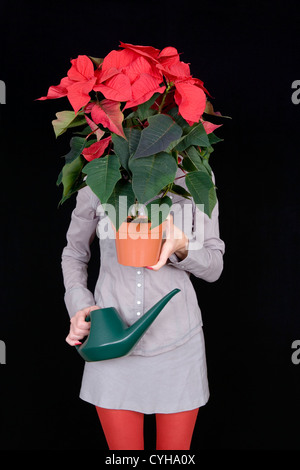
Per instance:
{"type": "Point", "coordinates": [138, 313]}
{"type": "Point", "coordinates": [138, 272]}
{"type": "Point", "coordinates": [139, 284]}
{"type": "Point", "coordinates": [171, 197]}
{"type": "Point", "coordinates": [138, 302]}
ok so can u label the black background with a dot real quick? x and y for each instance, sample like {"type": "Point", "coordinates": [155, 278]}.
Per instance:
{"type": "Point", "coordinates": [247, 54]}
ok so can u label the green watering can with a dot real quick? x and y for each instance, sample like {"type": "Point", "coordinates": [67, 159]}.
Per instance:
{"type": "Point", "coordinates": [110, 337]}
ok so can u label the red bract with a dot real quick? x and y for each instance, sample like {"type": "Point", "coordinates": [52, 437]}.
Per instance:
{"type": "Point", "coordinates": [132, 75]}
{"type": "Point", "coordinates": [129, 75]}
{"type": "Point", "coordinates": [82, 69]}
{"type": "Point", "coordinates": [108, 113]}
{"type": "Point", "coordinates": [95, 129]}
{"type": "Point", "coordinates": [147, 51]}
{"type": "Point", "coordinates": [118, 60]}
{"type": "Point", "coordinates": [77, 85]}
{"type": "Point", "coordinates": [96, 150]}
{"type": "Point", "coordinates": [189, 92]}
{"type": "Point", "coordinates": [191, 100]}
{"type": "Point", "coordinates": [143, 89]}
{"type": "Point", "coordinates": [175, 70]}
{"type": "Point", "coordinates": [168, 56]}
{"type": "Point", "coordinates": [116, 88]}
{"type": "Point", "coordinates": [139, 66]}
{"type": "Point", "coordinates": [58, 91]}
{"type": "Point", "coordinates": [209, 126]}
{"type": "Point", "coordinates": [82, 73]}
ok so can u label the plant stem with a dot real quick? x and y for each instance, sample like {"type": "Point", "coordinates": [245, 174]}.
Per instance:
{"type": "Point", "coordinates": [183, 176]}
{"type": "Point", "coordinates": [164, 98]}
{"type": "Point", "coordinates": [167, 189]}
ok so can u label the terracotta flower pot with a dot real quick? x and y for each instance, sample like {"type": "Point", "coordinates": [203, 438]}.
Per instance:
{"type": "Point", "coordinates": [137, 245]}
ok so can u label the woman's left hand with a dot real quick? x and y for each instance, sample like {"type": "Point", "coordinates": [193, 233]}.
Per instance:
{"type": "Point", "coordinates": [175, 242]}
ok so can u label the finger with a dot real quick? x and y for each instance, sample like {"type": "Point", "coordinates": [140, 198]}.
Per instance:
{"type": "Point", "coordinates": [78, 321]}
{"type": "Point", "coordinates": [82, 325]}
{"type": "Point", "coordinates": [73, 337]}
{"type": "Point", "coordinates": [72, 342]}
{"type": "Point", "coordinates": [89, 309]}
{"type": "Point", "coordinates": [82, 315]}
{"type": "Point", "coordinates": [79, 332]}
{"type": "Point", "coordinates": [164, 255]}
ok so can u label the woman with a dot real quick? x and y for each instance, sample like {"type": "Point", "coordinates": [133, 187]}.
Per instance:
{"type": "Point", "coordinates": [165, 374]}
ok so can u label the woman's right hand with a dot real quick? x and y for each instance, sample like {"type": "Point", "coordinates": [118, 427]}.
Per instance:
{"type": "Point", "coordinates": [79, 328]}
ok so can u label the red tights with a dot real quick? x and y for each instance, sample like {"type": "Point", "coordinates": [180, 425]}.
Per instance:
{"type": "Point", "coordinates": [124, 430]}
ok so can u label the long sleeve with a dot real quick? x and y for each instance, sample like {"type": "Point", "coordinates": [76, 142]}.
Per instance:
{"type": "Point", "coordinates": [76, 254]}
{"type": "Point", "coordinates": [205, 249]}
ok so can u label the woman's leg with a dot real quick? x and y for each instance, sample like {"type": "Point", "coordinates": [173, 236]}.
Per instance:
{"type": "Point", "coordinates": [174, 431]}
{"type": "Point", "coordinates": [123, 429]}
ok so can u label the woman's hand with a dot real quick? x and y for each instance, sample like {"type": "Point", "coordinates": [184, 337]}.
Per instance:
{"type": "Point", "coordinates": [79, 328]}
{"type": "Point", "coordinates": [175, 242]}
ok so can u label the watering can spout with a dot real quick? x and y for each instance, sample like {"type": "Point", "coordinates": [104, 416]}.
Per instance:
{"type": "Point", "coordinates": [110, 337]}
{"type": "Point", "coordinates": [138, 328]}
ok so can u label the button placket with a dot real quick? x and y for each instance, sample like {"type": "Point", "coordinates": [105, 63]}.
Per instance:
{"type": "Point", "coordinates": [139, 291]}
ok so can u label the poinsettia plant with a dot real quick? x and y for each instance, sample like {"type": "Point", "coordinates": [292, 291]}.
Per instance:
{"type": "Point", "coordinates": [138, 116]}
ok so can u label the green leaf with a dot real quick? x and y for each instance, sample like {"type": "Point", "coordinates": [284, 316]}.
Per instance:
{"type": "Point", "coordinates": [202, 189]}
{"type": "Point", "coordinates": [207, 166]}
{"type": "Point", "coordinates": [177, 118]}
{"type": "Point", "coordinates": [209, 109]}
{"type": "Point", "coordinates": [85, 131]}
{"type": "Point", "coordinates": [188, 165]}
{"type": "Point", "coordinates": [77, 145]}
{"type": "Point", "coordinates": [177, 189]}
{"type": "Point", "coordinates": [193, 158]}
{"type": "Point", "coordinates": [71, 177]}
{"type": "Point", "coordinates": [158, 210]}
{"type": "Point", "coordinates": [144, 110]}
{"type": "Point", "coordinates": [213, 139]}
{"type": "Point", "coordinates": [151, 174]}
{"type": "Point", "coordinates": [162, 130]}
{"type": "Point", "coordinates": [66, 119]}
{"type": "Point", "coordinates": [196, 136]}
{"type": "Point", "coordinates": [133, 136]}
{"type": "Point", "coordinates": [97, 60]}
{"type": "Point", "coordinates": [121, 149]}
{"type": "Point", "coordinates": [102, 175]}
{"type": "Point", "coordinates": [121, 204]}
{"type": "Point", "coordinates": [124, 148]}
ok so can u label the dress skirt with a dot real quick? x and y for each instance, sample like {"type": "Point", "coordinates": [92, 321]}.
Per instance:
{"type": "Point", "coordinates": [170, 382]}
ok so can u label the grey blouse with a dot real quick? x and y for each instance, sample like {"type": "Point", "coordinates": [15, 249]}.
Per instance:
{"type": "Point", "coordinates": [132, 291]}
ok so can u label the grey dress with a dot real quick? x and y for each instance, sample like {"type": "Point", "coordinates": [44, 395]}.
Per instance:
{"type": "Point", "coordinates": [166, 371]}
